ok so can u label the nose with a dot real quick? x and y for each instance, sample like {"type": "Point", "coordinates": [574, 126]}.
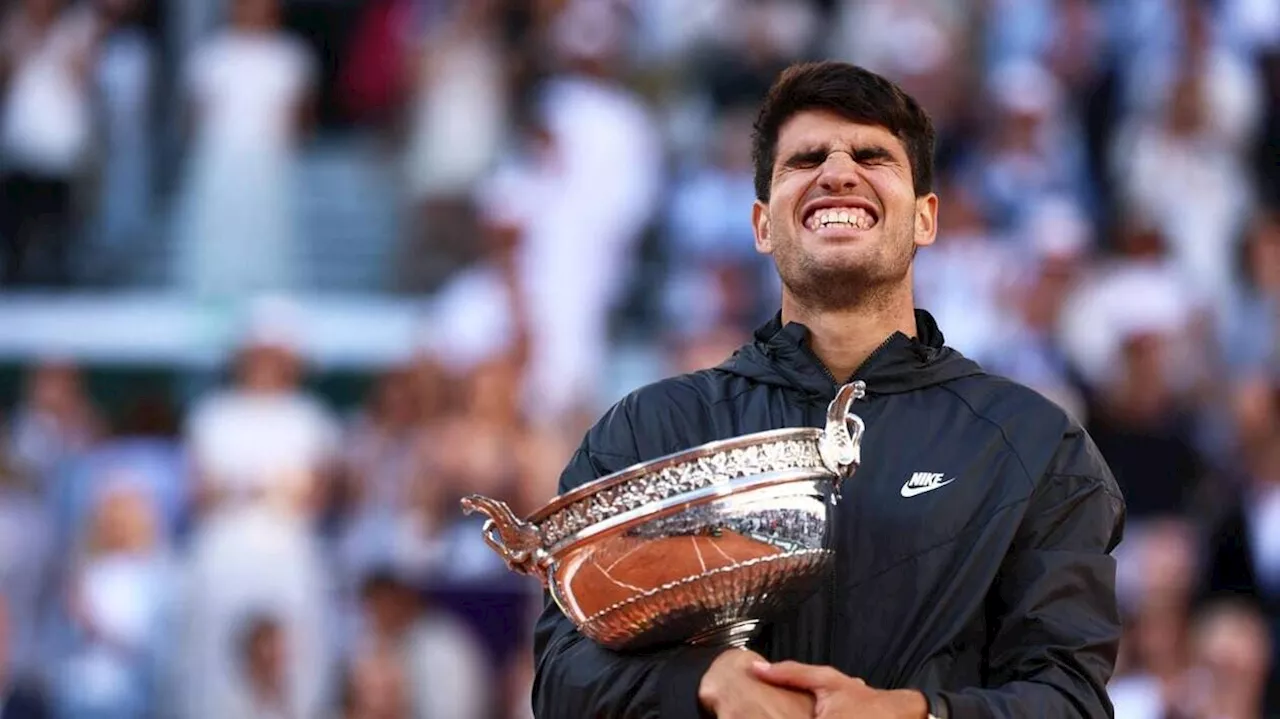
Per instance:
{"type": "Point", "coordinates": [839, 173]}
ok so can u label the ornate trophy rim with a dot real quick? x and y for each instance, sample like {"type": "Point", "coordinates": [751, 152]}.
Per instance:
{"type": "Point", "coordinates": [655, 466]}
{"type": "Point", "coordinates": [657, 509]}
{"type": "Point", "coordinates": [632, 495]}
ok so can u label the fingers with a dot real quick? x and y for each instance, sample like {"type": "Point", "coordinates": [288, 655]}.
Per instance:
{"type": "Point", "coordinates": [770, 704]}
{"type": "Point", "coordinates": [799, 676]}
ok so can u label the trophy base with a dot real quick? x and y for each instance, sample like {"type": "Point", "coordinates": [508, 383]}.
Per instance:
{"type": "Point", "coordinates": [736, 635]}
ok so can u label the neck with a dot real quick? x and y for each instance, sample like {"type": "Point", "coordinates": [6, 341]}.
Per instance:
{"type": "Point", "coordinates": [843, 339]}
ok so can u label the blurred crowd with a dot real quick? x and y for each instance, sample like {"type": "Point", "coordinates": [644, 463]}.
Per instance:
{"type": "Point", "coordinates": [577, 180]}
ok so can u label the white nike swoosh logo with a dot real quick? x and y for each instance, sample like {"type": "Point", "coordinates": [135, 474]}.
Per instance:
{"type": "Point", "coordinates": [909, 491]}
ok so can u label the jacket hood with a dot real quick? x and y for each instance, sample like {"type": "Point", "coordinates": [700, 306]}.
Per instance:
{"type": "Point", "coordinates": [780, 355]}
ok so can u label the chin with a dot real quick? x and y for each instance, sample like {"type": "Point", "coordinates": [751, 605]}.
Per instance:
{"type": "Point", "coordinates": [848, 255]}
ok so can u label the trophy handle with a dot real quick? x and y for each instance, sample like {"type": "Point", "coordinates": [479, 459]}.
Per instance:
{"type": "Point", "coordinates": [841, 443]}
{"type": "Point", "coordinates": [515, 540]}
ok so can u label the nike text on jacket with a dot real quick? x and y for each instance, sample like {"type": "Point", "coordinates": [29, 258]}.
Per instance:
{"type": "Point", "coordinates": [973, 557]}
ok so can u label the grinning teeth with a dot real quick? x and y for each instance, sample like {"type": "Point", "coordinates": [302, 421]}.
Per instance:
{"type": "Point", "coordinates": [854, 217]}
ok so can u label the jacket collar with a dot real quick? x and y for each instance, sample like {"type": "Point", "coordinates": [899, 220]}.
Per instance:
{"type": "Point", "coordinates": [780, 354]}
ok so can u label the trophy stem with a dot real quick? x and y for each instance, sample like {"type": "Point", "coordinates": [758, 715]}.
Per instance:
{"type": "Point", "coordinates": [735, 635]}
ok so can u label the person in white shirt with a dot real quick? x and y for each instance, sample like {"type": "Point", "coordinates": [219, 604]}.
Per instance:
{"type": "Point", "coordinates": [261, 450]}
{"type": "Point", "coordinates": [46, 131]}
{"type": "Point", "coordinates": [249, 88]}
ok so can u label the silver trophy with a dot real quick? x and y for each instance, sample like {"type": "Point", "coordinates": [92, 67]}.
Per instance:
{"type": "Point", "coordinates": [697, 547]}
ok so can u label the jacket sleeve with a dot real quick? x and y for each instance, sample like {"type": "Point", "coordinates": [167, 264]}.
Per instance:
{"type": "Point", "coordinates": [574, 676]}
{"type": "Point", "coordinates": [1053, 615]}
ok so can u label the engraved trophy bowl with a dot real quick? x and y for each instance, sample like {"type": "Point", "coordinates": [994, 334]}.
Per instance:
{"type": "Point", "coordinates": [697, 547]}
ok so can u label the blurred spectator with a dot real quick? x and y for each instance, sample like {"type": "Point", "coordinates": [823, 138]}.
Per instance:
{"type": "Point", "coordinates": [381, 442]}
{"type": "Point", "coordinates": [55, 423]}
{"type": "Point", "coordinates": [1032, 147]}
{"type": "Point", "coordinates": [1251, 332]}
{"type": "Point", "coordinates": [125, 86]}
{"type": "Point", "coordinates": [264, 437]}
{"type": "Point", "coordinates": [264, 453]}
{"type": "Point", "coordinates": [1146, 431]}
{"type": "Point", "coordinates": [450, 677]}
{"type": "Point", "coordinates": [249, 88]}
{"type": "Point", "coordinates": [47, 51]}
{"type": "Point", "coordinates": [964, 277]}
{"type": "Point", "coordinates": [1184, 169]}
{"type": "Point", "coordinates": [19, 698]}
{"type": "Point", "coordinates": [27, 572]}
{"type": "Point", "coordinates": [1026, 344]}
{"type": "Point", "coordinates": [746, 44]}
{"type": "Point", "coordinates": [457, 124]}
{"type": "Point", "coordinates": [479, 315]}
{"type": "Point", "coordinates": [385, 494]}
{"type": "Point", "coordinates": [445, 66]}
{"type": "Point", "coordinates": [118, 615]}
{"type": "Point", "coordinates": [1244, 545]}
{"type": "Point", "coordinates": [1232, 650]}
{"type": "Point", "coordinates": [143, 448]}
{"type": "Point", "coordinates": [716, 274]}
{"type": "Point", "coordinates": [1156, 578]}
{"type": "Point", "coordinates": [1229, 651]}
{"type": "Point", "coordinates": [376, 687]}
{"type": "Point", "coordinates": [596, 182]}
{"type": "Point", "coordinates": [1137, 289]}
{"type": "Point", "coordinates": [474, 449]}
{"type": "Point", "coordinates": [922, 44]}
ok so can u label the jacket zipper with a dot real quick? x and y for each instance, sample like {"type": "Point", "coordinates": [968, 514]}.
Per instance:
{"type": "Point", "coordinates": [860, 392]}
{"type": "Point", "coordinates": [828, 634]}
{"type": "Point", "coordinates": [835, 383]}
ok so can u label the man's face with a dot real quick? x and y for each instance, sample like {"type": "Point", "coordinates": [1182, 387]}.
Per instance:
{"type": "Point", "coordinates": [842, 220]}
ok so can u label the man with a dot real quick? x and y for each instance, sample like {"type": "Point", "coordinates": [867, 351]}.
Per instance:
{"type": "Point", "coordinates": [973, 573]}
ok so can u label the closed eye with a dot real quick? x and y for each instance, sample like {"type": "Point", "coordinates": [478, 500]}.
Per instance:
{"type": "Point", "coordinates": [872, 155]}
{"type": "Point", "coordinates": [869, 155]}
{"type": "Point", "coordinates": [808, 158]}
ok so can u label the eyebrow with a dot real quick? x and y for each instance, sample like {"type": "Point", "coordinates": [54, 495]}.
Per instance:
{"type": "Point", "coordinates": [815, 155]}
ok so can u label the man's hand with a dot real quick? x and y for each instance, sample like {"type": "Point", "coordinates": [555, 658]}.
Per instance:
{"type": "Point", "coordinates": [730, 691]}
{"type": "Point", "coordinates": [842, 697]}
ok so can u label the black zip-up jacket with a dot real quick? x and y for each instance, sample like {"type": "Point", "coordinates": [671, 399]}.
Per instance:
{"type": "Point", "coordinates": [993, 593]}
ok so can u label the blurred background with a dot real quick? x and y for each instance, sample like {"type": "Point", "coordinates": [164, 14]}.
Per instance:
{"type": "Point", "coordinates": [281, 280]}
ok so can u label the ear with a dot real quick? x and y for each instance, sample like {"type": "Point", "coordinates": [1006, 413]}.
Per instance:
{"type": "Point", "coordinates": [926, 222]}
{"type": "Point", "coordinates": [760, 223]}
